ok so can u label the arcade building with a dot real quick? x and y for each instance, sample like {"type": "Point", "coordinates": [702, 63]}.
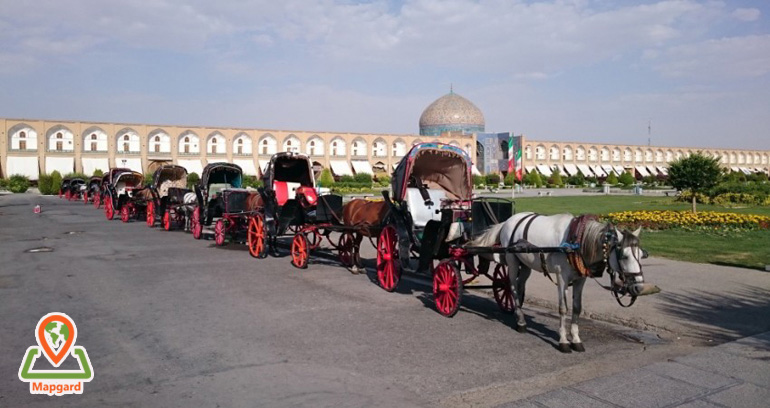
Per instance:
{"type": "Point", "coordinates": [37, 146]}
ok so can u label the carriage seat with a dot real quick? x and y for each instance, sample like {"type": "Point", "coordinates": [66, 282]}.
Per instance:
{"type": "Point", "coordinates": [285, 191]}
{"type": "Point", "coordinates": [422, 213]}
{"type": "Point", "coordinates": [216, 188]}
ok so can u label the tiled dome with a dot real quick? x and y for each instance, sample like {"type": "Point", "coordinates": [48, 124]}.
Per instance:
{"type": "Point", "coordinates": [449, 113]}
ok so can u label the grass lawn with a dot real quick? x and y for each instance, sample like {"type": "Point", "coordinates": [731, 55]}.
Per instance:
{"type": "Point", "coordinates": [750, 249]}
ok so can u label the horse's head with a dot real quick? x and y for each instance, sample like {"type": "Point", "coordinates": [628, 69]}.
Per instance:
{"type": "Point", "coordinates": [624, 255]}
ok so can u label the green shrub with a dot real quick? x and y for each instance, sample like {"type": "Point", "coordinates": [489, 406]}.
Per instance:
{"type": "Point", "coordinates": [55, 181]}
{"type": "Point", "coordinates": [492, 179]}
{"type": "Point", "coordinates": [612, 179]}
{"type": "Point", "coordinates": [326, 179]}
{"type": "Point", "coordinates": [555, 178]}
{"type": "Point", "coordinates": [626, 179]}
{"type": "Point", "coordinates": [383, 180]}
{"type": "Point", "coordinates": [478, 180]}
{"type": "Point", "coordinates": [148, 179]}
{"type": "Point", "coordinates": [3, 184]}
{"type": "Point", "coordinates": [533, 179]}
{"type": "Point", "coordinates": [363, 178]}
{"type": "Point", "coordinates": [18, 183]}
{"type": "Point", "coordinates": [576, 180]}
{"type": "Point", "coordinates": [98, 172]}
{"type": "Point", "coordinates": [192, 179]}
{"type": "Point", "coordinates": [347, 179]}
{"type": "Point", "coordinates": [251, 181]}
{"type": "Point", "coordinates": [77, 175]}
{"type": "Point", "coordinates": [44, 185]}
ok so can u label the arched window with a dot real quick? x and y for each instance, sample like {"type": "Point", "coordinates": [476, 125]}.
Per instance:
{"type": "Point", "coordinates": [358, 148]}
{"type": "Point", "coordinates": [214, 145]}
{"type": "Point", "coordinates": [59, 143]}
{"type": "Point", "coordinates": [398, 149]}
{"type": "Point", "coordinates": [186, 144]}
{"type": "Point", "coordinates": [291, 144]}
{"type": "Point", "coordinates": [23, 141]}
{"type": "Point", "coordinates": [338, 148]}
{"type": "Point", "coordinates": [239, 146]}
{"type": "Point", "coordinates": [126, 138]}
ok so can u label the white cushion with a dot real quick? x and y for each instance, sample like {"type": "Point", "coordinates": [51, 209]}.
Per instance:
{"type": "Point", "coordinates": [422, 213]}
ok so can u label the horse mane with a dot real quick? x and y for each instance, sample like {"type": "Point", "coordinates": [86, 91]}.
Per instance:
{"type": "Point", "coordinates": [591, 248]}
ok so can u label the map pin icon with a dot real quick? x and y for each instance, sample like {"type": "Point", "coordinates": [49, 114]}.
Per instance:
{"type": "Point", "coordinates": [56, 334]}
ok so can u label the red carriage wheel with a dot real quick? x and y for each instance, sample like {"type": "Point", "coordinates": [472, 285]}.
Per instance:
{"type": "Point", "coordinates": [68, 195]}
{"type": "Point", "coordinates": [167, 220]}
{"type": "Point", "coordinates": [388, 268]}
{"type": "Point", "coordinates": [150, 214]}
{"type": "Point", "coordinates": [97, 200]}
{"type": "Point", "coordinates": [60, 193]}
{"type": "Point", "coordinates": [256, 237]}
{"type": "Point", "coordinates": [345, 248]}
{"type": "Point", "coordinates": [219, 232]}
{"type": "Point", "coordinates": [447, 288]}
{"type": "Point", "coordinates": [299, 251]}
{"type": "Point", "coordinates": [501, 288]}
{"type": "Point", "coordinates": [197, 228]}
{"type": "Point", "coordinates": [178, 217]}
{"type": "Point", "coordinates": [109, 211]}
{"type": "Point", "coordinates": [85, 198]}
{"type": "Point", "coordinates": [125, 213]}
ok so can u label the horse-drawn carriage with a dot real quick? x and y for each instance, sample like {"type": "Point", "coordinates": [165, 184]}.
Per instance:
{"type": "Point", "coordinates": [121, 195]}
{"type": "Point", "coordinates": [168, 191]}
{"type": "Point", "coordinates": [221, 207]}
{"type": "Point", "coordinates": [291, 204]}
{"type": "Point", "coordinates": [432, 211]}
{"type": "Point", "coordinates": [93, 190]}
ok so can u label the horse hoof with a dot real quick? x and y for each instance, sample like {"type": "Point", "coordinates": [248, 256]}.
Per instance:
{"type": "Point", "coordinates": [578, 347]}
{"type": "Point", "coordinates": [565, 348]}
{"type": "Point", "coordinates": [521, 328]}
{"type": "Point", "coordinates": [354, 271]}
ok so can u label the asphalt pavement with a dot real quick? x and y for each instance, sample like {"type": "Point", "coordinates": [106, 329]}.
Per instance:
{"type": "Point", "coordinates": [170, 321]}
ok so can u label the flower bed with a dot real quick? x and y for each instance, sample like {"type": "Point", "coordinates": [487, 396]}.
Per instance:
{"type": "Point", "coordinates": [658, 220]}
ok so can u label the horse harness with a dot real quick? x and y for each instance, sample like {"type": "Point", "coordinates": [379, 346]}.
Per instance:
{"type": "Point", "coordinates": [529, 219]}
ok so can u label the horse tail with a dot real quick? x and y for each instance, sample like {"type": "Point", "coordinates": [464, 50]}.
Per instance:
{"type": "Point", "coordinates": [489, 237]}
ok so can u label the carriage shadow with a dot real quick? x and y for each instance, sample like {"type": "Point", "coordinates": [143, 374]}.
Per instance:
{"type": "Point", "coordinates": [472, 302]}
{"type": "Point", "coordinates": [725, 315]}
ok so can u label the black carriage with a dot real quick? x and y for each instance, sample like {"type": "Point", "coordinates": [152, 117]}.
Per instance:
{"type": "Point", "coordinates": [432, 217]}
{"type": "Point", "coordinates": [168, 189]}
{"type": "Point", "coordinates": [93, 190]}
{"type": "Point", "coordinates": [120, 195]}
{"type": "Point", "coordinates": [217, 192]}
{"type": "Point", "coordinates": [288, 195]}
{"type": "Point", "coordinates": [76, 189]}
{"type": "Point", "coordinates": [64, 188]}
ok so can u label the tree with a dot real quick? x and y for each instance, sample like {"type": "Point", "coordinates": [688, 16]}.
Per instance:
{"type": "Point", "coordinates": [696, 173]}
{"type": "Point", "coordinates": [626, 179]}
{"type": "Point", "coordinates": [612, 179]}
{"type": "Point", "coordinates": [55, 181]}
{"type": "Point", "coordinates": [192, 179]}
{"type": "Point", "coordinates": [326, 179]}
{"type": "Point", "coordinates": [98, 172]}
{"type": "Point", "coordinates": [556, 178]}
{"type": "Point", "coordinates": [533, 178]}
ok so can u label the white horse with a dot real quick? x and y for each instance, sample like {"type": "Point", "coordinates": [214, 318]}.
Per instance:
{"type": "Point", "coordinates": [599, 246]}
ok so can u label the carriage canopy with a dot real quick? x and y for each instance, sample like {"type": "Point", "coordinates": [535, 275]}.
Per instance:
{"type": "Point", "coordinates": [221, 173]}
{"type": "Point", "coordinates": [173, 173]}
{"type": "Point", "coordinates": [114, 173]}
{"type": "Point", "coordinates": [130, 178]}
{"type": "Point", "coordinates": [439, 166]}
{"type": "Point", "coordinates": [291, 168]}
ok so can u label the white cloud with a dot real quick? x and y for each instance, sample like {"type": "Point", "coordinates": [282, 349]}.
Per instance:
{"type": "Point", "coordinates": [735, 57]}
{"type": "Point", "coordinates": [747, 14]}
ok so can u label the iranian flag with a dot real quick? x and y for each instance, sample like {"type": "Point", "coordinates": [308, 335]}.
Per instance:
{"type": "Point", "coordinates": [514, 158]}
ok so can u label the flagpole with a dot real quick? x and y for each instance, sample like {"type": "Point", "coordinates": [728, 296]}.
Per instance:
{"type": "Point", "coordinates": [512, 165]}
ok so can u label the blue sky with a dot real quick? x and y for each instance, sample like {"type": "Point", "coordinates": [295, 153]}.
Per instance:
{"type": "Point", "coordinates": [581, 70]}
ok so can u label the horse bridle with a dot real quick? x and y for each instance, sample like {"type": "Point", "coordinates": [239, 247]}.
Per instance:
{"type": "Point", "coordinates": [611, 245]}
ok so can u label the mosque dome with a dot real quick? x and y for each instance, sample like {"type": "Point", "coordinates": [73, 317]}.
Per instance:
{"type": "Point", "coordinates": [451, 113]}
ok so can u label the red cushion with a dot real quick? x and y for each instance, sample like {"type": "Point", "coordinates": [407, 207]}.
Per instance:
{"type": "Point", "coordinates": [281, 192]}
{"type": "Point", "coordinates": [310, 195]}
